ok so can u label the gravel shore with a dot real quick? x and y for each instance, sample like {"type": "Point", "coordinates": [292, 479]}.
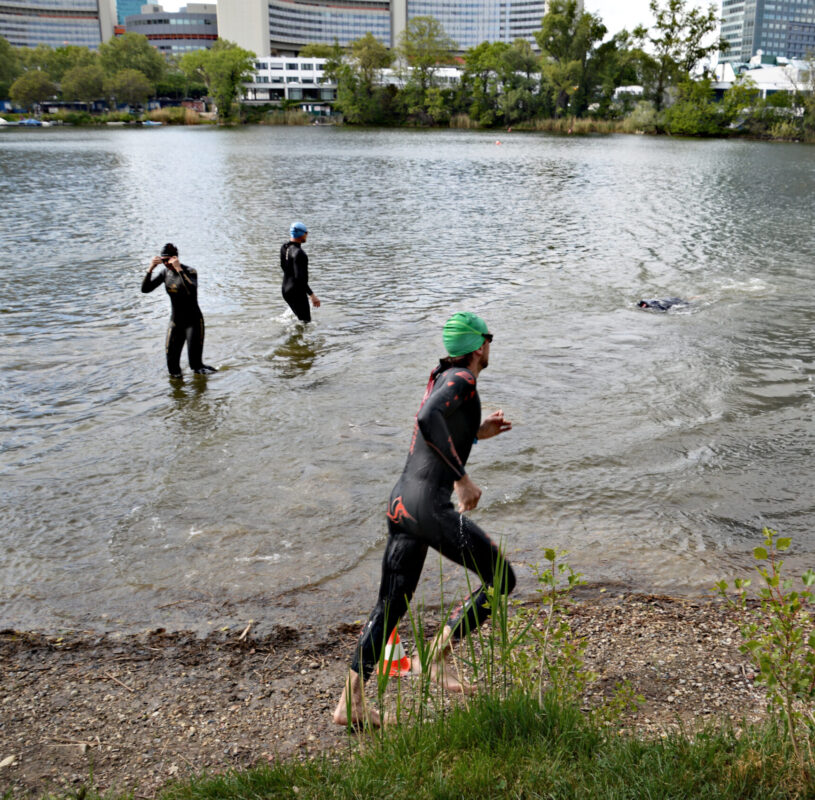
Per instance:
{"type": "Point", "coordinates": [137, 711]}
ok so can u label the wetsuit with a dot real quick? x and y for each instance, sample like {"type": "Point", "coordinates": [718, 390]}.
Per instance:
{"type": "Point", "coordinates": [421, 515]}
{"type": "Point", "coordinates": [186, 320]}
{"type": "Point", "coordinates": [295, 289]}
{"type": "Point", "coordinates": [662, 305]}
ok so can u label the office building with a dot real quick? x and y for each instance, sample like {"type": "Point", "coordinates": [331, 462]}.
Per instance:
{"type": "Point", "coordinates": [776, 28]}
{"type": "Point", "coordinates": [28, 23]}
{"type": "Point", "coordinates": [193, 27]}
{"type": "Point", "coordinates": [127, 8]}
{"type": "Point", "coordinates": [283, 27]}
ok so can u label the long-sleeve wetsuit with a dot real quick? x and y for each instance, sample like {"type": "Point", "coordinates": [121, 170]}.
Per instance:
{"type": "Point", "coordinates": [186, 319]}
{"type": "Point", "coordinates": [421, 515]}
{"type": "Point", "coordinates": [295, 289]}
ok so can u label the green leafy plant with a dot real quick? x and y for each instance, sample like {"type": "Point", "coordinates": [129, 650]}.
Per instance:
{"type": "Point", "coordinates": [779, 639]}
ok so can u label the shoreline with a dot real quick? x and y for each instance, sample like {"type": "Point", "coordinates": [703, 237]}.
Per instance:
{"type": "Point", "coordinates": [135, 711]}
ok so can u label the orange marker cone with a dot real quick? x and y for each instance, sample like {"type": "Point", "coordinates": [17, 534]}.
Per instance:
{"type": "Point", "coordinates": [396, 661]}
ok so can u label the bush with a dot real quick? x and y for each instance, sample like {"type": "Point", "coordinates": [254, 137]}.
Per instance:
{"type": "Point", "coordinates": [643, 119]}
{"type": "Point", "coordinates": [175, 115]}
{"type": "Point", "coordinates": [786, 130]}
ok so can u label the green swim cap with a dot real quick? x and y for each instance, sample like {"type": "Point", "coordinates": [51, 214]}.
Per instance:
{"type": "Point", "coordinates": [463, 333]}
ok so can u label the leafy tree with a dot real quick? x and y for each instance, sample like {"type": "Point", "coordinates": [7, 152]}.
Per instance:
{"type": "Point", "coordinates": [177, 85]}
{"type": "Point", "coordinates": [61, 60]}
{"type": "Point", "coordinates": [132, 51]}
{"type": "Point", "coordinates": [424, 47]}
{"type": "Point", "coordinates": [676, 42]}
{"type": "Point", "coordinates": [359, 96]}
{"type": "Point", "coordinates": [566, 39]}
{"type": "Point", "coordinates": [695, 113]}
{"type": "Point", "coordinates": [10, 66]}
{"type": "Point", "coordinates": [317, 50]}
{"type": "Point", "coordinates": [31, 89]}
{"type": "Point", "coordinates": [85, 84]}
{"type": "Point", "coordinates": [130, 86]}
{"type": "Point", "coordinates": [223, 68]}
{"type": "Point", "coordinates": [482, 73]}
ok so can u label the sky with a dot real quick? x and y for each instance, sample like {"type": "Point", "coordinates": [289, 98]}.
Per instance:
{"type": "Point", "coordinates": [616, 14]}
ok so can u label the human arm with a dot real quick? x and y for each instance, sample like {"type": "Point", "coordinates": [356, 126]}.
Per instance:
{"type": "Point", "coordinates": [451, 390]}
{"type": "Point", "coordinates": [493, 425]}
{"type": "Point", "coordinates": [149, 283]}
{"type": "Point", "coordinates": [467, 492]}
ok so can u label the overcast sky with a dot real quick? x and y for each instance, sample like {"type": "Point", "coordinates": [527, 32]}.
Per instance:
{"type": "Point", "coordinates": [616, 14]}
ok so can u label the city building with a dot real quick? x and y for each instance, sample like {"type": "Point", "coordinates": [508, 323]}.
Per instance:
{"type": "Point", "coordinates": [767, 75]}
{"type": "Point", "coordinates": [193, 27]}
{"type": "Point", "coordinates": [28, 23]}
{"type": "Point", "coordinates": [777, 28]}
{"type": "Point", "coordinates": [283, 27]}
{"type": "Point", "coordinates": [278, 78]}
{"type": "Point", "coordinates": [127, 8]}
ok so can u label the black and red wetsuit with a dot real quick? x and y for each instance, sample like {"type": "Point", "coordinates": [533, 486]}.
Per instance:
{"type": "Point", "coordinates": [421, 515]}
{"type": "Point", "coordinates": [295, 288]}
{"type": "Point", "coordinates": [186, 320]}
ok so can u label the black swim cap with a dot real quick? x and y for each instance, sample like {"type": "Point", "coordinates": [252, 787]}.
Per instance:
{"type": "Point", "coordinates": [168, 250]}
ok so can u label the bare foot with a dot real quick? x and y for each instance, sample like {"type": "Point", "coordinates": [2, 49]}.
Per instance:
{"type": "Point", "coordinates": [443, 673]}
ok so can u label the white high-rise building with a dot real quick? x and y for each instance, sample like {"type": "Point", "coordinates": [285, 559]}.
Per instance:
{"type": "Point", "coordinates": [783, 28]}
{"type": "Point", "coordinates": [27, 23]}
{"type": "Point", "coordinates": [281, 27]}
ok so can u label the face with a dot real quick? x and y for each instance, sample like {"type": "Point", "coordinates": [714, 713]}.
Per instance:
{"type": "Point", "coordinates": [484, 358]}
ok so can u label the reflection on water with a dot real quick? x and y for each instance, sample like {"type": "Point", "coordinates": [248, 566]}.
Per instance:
{"type": "Point", "coordinates": [653, 447]}
{"type": "Point", "coordinates": [296, 355]}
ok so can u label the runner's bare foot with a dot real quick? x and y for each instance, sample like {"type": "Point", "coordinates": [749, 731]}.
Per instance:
{"type": "Point", "coordinates": [360, 717]}
{"type": "Point", "coordinates": [443, 673]}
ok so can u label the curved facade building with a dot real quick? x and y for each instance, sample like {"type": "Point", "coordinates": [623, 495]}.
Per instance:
{"type": "Point", "coordinates": [283, 27]}
{"type": "Point", "coordinates": [28, 23]}
{"type": "Point", "coordinates": [194, 27]}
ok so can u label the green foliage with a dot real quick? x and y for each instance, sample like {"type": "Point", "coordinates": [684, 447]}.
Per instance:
{"type": "Point", "coordinates": [695, 113]}
{"type": "Point", "coordinates": [222, 68]}
{"type": "Point", "coordinates": [779, 638]}
{"type": "Point", "coordinates": [10, 66]}
{"type": "Point", "coordinates": [676, 43]}
{"type": "Point", "coordinates": [131, 51]}
{"type": "Point", "coordinates": [85, 84]}
{"type": "Point", "coordinates": [566, 39]}
{"type": "Point", "coordinates": [425, 47]}
{"type": "Point", "coordinates": [130, 86]}
{"type": "Point", "coordinates": [31, 89]}
{"type": "Point", "coordinates": [317, 50]}
{"type": "Point", "coordinates": [644, 118]}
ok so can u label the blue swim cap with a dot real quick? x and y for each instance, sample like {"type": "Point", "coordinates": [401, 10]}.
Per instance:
{"type": "Point", "coordinates": [297, 230]}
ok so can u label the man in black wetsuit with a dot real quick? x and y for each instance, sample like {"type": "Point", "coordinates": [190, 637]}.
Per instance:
{"type": "Point", "coordinates": [294, 263]}
{"type": "Point", "coordinates": [420, 515]}
{"type": "Point", "coordinates": [186, 320]}
{"type": "Point", "coordinates": [662, 305]}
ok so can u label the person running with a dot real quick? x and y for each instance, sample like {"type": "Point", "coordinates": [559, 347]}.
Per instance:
{"type": "Point", "coordinates": [186, 319]}
{"type": "Point", "coordinates": [420, 515]}
{"type": "Point", "coordinates": [294, 263]}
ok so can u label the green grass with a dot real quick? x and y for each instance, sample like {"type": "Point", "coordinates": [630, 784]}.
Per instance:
{"type": "Point", "coordinates": [512, 748]}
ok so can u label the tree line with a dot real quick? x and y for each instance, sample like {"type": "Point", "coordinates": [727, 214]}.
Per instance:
{"type": "Point", "coordinates": [573, 73]}
{"type": "Point", "coordinates": [127, 70]}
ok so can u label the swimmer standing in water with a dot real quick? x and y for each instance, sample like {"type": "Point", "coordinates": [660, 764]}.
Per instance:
{"type": "Point", "coordinates": [294, 263]}
{"type": "Point", "coordinates": [186, 320]}
{"type": "Point", "coordinates": [420, 515]}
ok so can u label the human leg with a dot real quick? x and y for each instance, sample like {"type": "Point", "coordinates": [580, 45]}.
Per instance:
{"type": "Point", "coordinates": [298, 303]}
{"type": "Point", "coordinates": [401, 567]}
{"type": "Point", "coordinates": [172, 348]}
{"type": "Point", "coordinates": [195, 347]}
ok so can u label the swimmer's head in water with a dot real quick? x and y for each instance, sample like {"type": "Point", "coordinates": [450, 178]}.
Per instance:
{"type": "Point", "coordinates": [298, 230]}
{"type": "Point", "coordinates": [169, 250]}
{"type": "Point", "coordinates": [463, 333]}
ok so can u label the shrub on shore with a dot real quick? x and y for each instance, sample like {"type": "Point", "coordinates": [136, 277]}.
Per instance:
{"type": "Point", "coordinates": [175, 115]}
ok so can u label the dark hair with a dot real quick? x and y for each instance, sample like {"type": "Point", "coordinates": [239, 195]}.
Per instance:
{"type": "Point", "coordinates": [168, 250]}
{"type": "Point", "coordinates": [458, 361]}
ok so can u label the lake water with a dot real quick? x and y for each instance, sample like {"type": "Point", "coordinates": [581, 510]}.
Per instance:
{"type": "Point", "coordinates": [653, 447]}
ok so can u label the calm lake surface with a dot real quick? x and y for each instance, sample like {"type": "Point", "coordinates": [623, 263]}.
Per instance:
{"type": "Point", "coordinates": [653, 447]}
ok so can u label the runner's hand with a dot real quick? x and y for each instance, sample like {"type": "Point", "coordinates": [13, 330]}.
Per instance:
{"type": "Point", "coordinates": [493, 425]}
{"type": "Point", "coordinates": [315, 301]}
{"type": "Point", "coordinates": [468, 494]}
